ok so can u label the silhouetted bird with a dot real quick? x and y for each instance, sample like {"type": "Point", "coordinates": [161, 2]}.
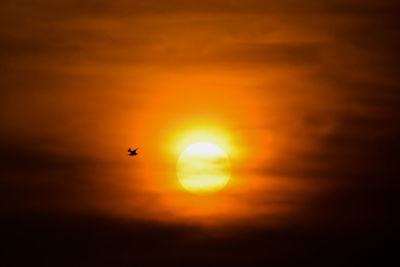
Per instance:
{"type": "Point", "coordinates": [132, 152]}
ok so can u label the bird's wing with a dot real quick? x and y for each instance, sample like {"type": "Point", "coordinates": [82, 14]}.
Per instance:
{"type": "Point", "coordinates": [129, 150]}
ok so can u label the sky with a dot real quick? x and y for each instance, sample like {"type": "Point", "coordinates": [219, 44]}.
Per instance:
{"type": "Point", "coordinates": [303, 96]}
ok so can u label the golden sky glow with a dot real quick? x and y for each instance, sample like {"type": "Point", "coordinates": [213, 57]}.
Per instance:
{"type": "Point", "coordinates": [268, 132]}
{"type": "Point", "coordinates": [268, 82]}
{"type": "Point", "coordinates": [164, 81]}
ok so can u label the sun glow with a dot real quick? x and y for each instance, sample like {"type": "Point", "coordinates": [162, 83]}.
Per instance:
{"type": "Point", "coordinates": [203, 168]}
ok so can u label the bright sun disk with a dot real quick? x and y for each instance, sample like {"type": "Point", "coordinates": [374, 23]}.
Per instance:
{"type": "Point", "coordinates": [203, 168]}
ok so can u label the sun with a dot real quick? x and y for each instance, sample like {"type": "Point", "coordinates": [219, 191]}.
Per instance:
{"type": "Point", "coordinates": [203, 168]}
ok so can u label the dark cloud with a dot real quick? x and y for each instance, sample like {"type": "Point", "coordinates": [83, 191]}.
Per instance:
{"type": "Point", "coordinates": [35, 177]}
{"type": "Point", "coordinates": [125, 8]}
{"type": "Point", "coordinates": [93, 240]}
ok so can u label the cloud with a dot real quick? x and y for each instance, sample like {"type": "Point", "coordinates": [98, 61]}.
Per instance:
{"type": "Point", "coordinates": [36, 178]}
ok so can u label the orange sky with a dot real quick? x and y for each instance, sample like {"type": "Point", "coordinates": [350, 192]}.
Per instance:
{"type": "Point", "coordinates": [303, 96]}
{"type": "Point", "coordinates": [277, 85]}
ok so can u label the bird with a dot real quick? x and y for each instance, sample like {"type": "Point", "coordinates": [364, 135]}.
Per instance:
{"type": "Point", "coordinates": [132, 152]}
